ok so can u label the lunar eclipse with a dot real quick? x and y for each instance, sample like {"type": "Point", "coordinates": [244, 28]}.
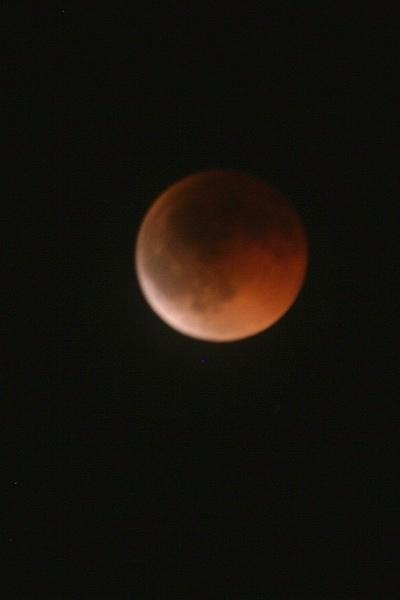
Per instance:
{"type": "Point", "coordinates": [221, 256]}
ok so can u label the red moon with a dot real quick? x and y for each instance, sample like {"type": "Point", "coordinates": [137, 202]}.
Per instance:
{"type": "Point", "coordinates": [221, 256]}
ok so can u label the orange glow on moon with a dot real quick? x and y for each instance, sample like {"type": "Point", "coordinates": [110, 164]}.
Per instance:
{"type": "Point", "coordinates": [221, 256]}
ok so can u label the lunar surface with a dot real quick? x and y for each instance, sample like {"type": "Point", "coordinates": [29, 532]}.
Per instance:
{"type": "Point", "coordinates": [221, 256]}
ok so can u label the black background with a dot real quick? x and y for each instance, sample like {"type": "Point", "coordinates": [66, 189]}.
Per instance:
{"type": "Point", "coordinates": [144, 464]}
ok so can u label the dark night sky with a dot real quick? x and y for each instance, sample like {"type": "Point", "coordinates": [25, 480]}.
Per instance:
{"type": "Point", "coordinates": [143, 464]}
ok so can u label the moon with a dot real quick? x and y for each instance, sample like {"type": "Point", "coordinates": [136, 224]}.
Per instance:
{"type": "Point", "coordinates": [221, 256]}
